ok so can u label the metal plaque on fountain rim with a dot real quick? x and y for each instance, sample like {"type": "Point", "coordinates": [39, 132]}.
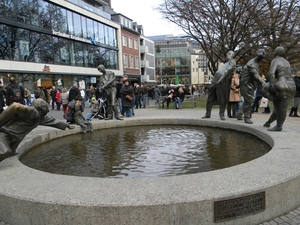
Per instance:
{"type": "Point", "coordinates": [239, 207]}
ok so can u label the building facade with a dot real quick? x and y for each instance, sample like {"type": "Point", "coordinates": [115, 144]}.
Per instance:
{"type": "Point", "coordinates": [179, 60]}
{"type": "Point", "coordinates": [130, 39]}
{"type": "Point", "coordinates": [57, 42]}
{"type": "Point", "coordinates": [147, 51]}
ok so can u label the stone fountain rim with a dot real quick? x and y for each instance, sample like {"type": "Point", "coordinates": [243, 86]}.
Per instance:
{"type": "Point", "coordinates": [22, 182]}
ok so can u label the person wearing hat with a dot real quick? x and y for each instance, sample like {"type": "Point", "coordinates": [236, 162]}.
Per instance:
{"type": "Point", "coordinates": [108, 84]}
{"type": "Point", "coordinates": [79, 118]}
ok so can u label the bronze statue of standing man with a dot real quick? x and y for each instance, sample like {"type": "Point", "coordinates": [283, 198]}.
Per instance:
{"type": "Point", "coordinates": [280, 89]}
{"type": "Point", "coordinates": [248, 83]}
{"type": "Point", "coordinates": [218, 94]}
{"type": "Point", "coordinates": [108, 84]}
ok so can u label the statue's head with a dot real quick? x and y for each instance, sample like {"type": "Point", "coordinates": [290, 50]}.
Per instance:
{"type": "Point", "coordinates": [41, 105]}
{"type": "Point", "coordinates": [101, 68]}
{"type": "Point", "coordinates": [279, 51]}
{"type": "Point", "coordinates": [261, 52]}
{"type": "Point", "coordinates": [230, 55]}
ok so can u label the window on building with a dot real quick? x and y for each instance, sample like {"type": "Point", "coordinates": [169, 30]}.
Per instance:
{"type": "Point", "coordinates": [136, 62]}
{"type": "Point", "coordinates": [135, 44]}
{"type": "Point", "coordinates": [124, 40]}
{"type": "Point", "coordinates": [125, 61]}
{"type": "Point", "coordinates": [130, 42]}
{"type": "Point", "coordinates": [131, 61]}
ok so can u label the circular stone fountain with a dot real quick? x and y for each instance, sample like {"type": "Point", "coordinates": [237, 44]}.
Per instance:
{"type": "Point", "coordinates": [29, 196]}
{"type": "Point", "coordinates": [146, 151]}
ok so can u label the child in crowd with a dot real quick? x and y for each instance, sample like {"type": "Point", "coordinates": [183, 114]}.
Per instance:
{"type": "Point", "coordinates": [94, 110]}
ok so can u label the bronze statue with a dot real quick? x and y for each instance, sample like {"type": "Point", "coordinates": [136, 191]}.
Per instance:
{"type": "Point", "coordinates": [280, 89]}
{"type": "Point", "coordinates": [248, 83]}
{"type": "Point", "coordinates": [18, 120]}
{"type": "Point", "coordinates": [218, 94]}
{"type": "Point", "coordinates": [108, 84]}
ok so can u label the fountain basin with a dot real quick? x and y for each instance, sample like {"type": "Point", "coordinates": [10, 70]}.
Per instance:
{"type": "Point", "coordinates": [28, 196]}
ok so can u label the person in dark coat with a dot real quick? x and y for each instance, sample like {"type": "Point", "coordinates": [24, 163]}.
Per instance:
{"type": "Point", "coordinates": [73, 92]}
{"type": "Point", "coordinates": [9, 92]}
{"type": "Point", "coordinates": [294, 109]}
{"type": "Point", "coordinates": [127, 90]}
{"type": "Point", "coordinates": [53, 96]}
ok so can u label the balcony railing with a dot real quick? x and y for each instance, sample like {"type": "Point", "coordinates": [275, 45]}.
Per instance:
{"type": "Point", "coordinates": [91, 8]}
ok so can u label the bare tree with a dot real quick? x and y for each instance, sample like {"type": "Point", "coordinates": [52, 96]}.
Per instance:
{"type": "Point", "coordinates": [239, 25]}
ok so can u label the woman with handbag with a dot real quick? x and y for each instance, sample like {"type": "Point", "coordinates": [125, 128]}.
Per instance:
{"type": "Point", "coordinates": [127, 97]}
{"type": "Point", "coordinates": [234, 96]}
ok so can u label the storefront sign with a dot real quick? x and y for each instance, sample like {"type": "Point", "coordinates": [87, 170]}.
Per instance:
{"type": "Point", "coordinates": [57, 33]}
{"type": "Point", "coordinates": [46, 68]}
{"type": "Point", "coordinates": [93, 80]}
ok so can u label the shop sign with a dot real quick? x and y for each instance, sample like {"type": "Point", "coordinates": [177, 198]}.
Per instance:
{"type": "Point", "coordinates": [46, 68]}
{"type": "Point", "coordinates": [70, 36]}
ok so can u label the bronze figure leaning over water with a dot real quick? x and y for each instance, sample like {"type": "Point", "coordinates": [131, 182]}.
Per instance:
{"type": "Point", "coordinates": [18, 120]}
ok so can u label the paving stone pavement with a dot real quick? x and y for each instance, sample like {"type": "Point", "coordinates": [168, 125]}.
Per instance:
{"type": "Point", "coordinates": [289, 218]}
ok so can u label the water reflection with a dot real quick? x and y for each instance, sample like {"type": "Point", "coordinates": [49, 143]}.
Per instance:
{"type": "Point", "coordinates": [146, 151]}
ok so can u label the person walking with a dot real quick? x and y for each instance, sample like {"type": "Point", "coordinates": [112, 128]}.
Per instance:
{"type": "Point", "coordinates": [127, 98]}
{"type": "Point", "coordinates": [157, 94]}
{"type": "Point", "coordinates": [64, 101]}
{"type": "Point", "coordinates": [294, 109]}
{"type": "Point", "coordinates": [53, 96]}
{"type": "Point", "coordinates": [58, 99]}
{"type": "Point", "coordinates": [27, 96]}
{"type": "Point", "coordinates": [73, 92]}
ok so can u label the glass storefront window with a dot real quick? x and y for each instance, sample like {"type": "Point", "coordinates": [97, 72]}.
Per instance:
{"type": "Point", "coordinates": [33, 51]}
{"type": "Point", "coordinates": [77, 28]}
{"type": "Point", "coordinates": [112, 36]}
{"type": "Point", "coordinates": [92, 56]}
{"type": "Point", "coordinates": [34, 13]}
{"type": "Point", "coordinates": [90, 28]}
{"type": "Point", "coordinates": [46, 9]}
{"type": "Point", "coordinates": [70, 22]}
{"type": "Point", "coordinates": [60, 21]}
{"type": "Point", "coordinates": [78, 51]}
{"type": "Point", "coordinates": [11, 9]}
{"type": "Point", "coordinates": [31, 46]}
{"type": "Point", "coordinates": [63, 51]}
{"type": "Point", "coordinates": [72, 54]}
{"type": "Point", "coordinates": [101, 33]}
{"type": "Point", "coordinates": [96, 31]}
{"type": "Point", "coordinates": [46, 49]}
{"type": "Point", "coordinates": [84, 28]}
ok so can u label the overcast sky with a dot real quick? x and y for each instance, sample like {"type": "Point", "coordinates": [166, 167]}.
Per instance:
{"type": "Point", "coordinates": [142, 12]}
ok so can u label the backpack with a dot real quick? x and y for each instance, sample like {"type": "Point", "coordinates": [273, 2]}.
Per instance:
{"type": "Point", "coordinates": [16, 94]}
